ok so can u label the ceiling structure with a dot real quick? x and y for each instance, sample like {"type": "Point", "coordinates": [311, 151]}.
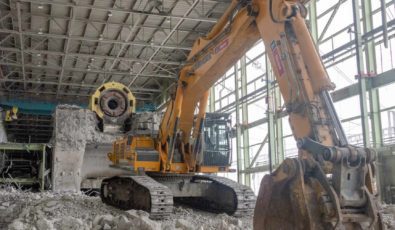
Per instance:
{"type": "Point", "coordinates": [62, 50]}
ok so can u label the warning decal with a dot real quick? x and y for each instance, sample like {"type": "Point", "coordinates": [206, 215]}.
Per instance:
{"type": "Point", "coordinates": [277, 58]}
{"type": "Point", "coordinates": [221, 46]}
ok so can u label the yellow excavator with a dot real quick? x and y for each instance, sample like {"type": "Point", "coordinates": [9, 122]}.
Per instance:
{"type": "Point", "coordinates": [329, 186]}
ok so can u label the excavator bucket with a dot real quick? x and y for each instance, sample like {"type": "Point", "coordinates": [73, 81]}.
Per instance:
{"type": "Point", "coordinates": [296, 196]}
{"type": "Point", "coordinates": [286, 200]}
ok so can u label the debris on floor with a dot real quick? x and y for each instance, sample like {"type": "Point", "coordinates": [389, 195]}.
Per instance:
{"type": "Point", "coordinates": [388, 215]}
{"type": "Point", "coordinates": [71, 211]}
{"type": "Point", "coordinates": [75, 211]}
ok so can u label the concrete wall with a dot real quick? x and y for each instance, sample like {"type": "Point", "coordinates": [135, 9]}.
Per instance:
{"type": "Point", "coordinates": [75, 129]}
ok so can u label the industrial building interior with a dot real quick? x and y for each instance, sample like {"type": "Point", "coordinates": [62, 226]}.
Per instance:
{"type": "Point", "coordinates": [58, 142]}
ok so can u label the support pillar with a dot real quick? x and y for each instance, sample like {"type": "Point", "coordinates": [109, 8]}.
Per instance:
{"type": "Point", "coordinates": [313, 20]}
{"type": "Point", "coordinates": [361, 72]}
{"type": "Point", "coordinates": [246, 145]}
{"type": "Point", "coordinates": [270, 115]}
{"type": "Point", "coordinates": [278, 126]}
{"type": "Point", "coordinates": [371, 67]}
{"type": "Point", "coordinates": [238, 128]}
{"type": "Point", "coordinates": [212, 100]}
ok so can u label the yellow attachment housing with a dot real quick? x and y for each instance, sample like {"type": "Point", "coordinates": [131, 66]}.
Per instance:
{"type": "Point", "coordinates": [112, 100]}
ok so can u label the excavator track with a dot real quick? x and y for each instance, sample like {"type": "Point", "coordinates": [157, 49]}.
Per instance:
{"type": "Point", "coordinates": [138, 192]}
{"type": "Point", "coordinates": [222, 196]}
{"type": "Point", "coordinates": [151, 194]}
{"type": "Point", "coordinates": [243, 197]}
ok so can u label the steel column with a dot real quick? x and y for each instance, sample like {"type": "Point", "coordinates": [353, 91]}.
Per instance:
{"type": "Point", "coordinates": [278, 126]}
{"type": "Point", "coordinates": [212, 100]}
{"type": "Point", "coordinates": [270, 115]}
{"type": "Point", "coordinates": [244, 109]}
{"type": "Point", "coordinates": [371, 66]}
{"type": "Point", "coordinates": [361, 69]}
{"type": "Point", "coordinates": [313, 19]}
{"type": "Point", "coordinates": [238, 127]}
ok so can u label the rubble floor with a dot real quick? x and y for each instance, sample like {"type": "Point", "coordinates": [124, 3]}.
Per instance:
{"type": "Point", "coordinates": [69, 211]}
{"type": "Point", "coordinates": [76, 211]}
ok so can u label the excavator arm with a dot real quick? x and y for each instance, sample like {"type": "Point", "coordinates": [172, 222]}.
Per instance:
{"type": "Point", "coordinates": [209, 59]}
{"type": "Point", "coordinates": [300, 73]}
{"type": "Point", "coordinates": [330, 185]}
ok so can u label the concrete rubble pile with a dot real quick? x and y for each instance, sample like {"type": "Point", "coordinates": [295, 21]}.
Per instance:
{"type": "Point", "coordinates": [388, 215]}
{"type": "Point", "coordinates": [47, 211]}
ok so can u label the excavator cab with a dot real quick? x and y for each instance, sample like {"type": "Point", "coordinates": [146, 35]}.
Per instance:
{"type": "Point", "coordinates": [217, 144]}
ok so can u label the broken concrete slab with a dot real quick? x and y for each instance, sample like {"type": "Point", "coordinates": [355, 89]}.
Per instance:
{"type": "Point", "coordinates": [74, 129]}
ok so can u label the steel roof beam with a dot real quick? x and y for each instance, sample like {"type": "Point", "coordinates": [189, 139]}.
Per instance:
{"type": "Point", "coordinates": [21, 41]}
{"type": "Point", "coordinates": [165, 90]}
{"type": "Point", "coordinates": [6, 38]}
{"type": "Point", "coordinates": [137, 90]}
{"type": "Point", "coordinates": [66, 47]}
{"type": "Point", "coordinates": [88, 56]}
{"type": "Point", "coordinates": [119, 10]}
{"type": "Point", "coordinates": [131, 35]}
{"type": "Point", "coordinates": [141, 21]}
{"type": "Point", "coordinates": [93, 21]}
{"type": "Point", "coordinates": [58, 68]}
{"type": "Point", "coordinates": [164, 41]}
{"type": "Point", "coordinates": [88, 39]}
{"type": "Point", "coordinates": [80, 46]}
{"type": "Point", "coordinates": [66, 94]}
{"type": "Point", "coordinates": [197, 25]}
{"type": "Point", "coordinates": [117, 38]}
{"type": "Point", "coordinates": [5, 15]}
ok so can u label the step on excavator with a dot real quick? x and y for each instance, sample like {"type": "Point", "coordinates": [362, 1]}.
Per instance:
{"type": "Point", "coordinates": [329, 186]}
